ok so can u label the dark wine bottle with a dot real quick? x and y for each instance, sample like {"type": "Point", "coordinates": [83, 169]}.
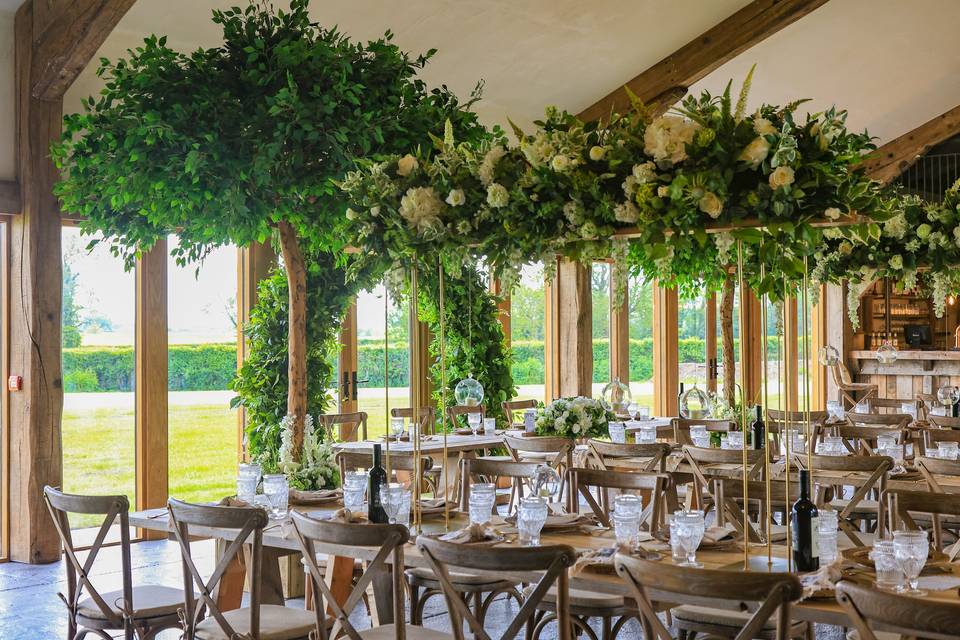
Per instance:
{"type": "Point", "coordinates": [377, 479]}
{"type": "Point", "coordinates": [759, 431]}
{"type": "Point", "coordinates": [805, 522]}
{"type": "Point", "coordinates": [679, 396]}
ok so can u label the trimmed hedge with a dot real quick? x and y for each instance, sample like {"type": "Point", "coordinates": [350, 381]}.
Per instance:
{"type": "Point", "coordinates": [192, 367]}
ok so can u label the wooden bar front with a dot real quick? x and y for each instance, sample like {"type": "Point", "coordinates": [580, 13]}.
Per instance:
{"type": "Point", "coordinates": [913, 372]}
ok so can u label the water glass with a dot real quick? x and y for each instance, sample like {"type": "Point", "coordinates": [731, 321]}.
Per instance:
{"type": "Point", "coordinates": [643, 413]}
{"type": "Point", "coordinates": [396, 427]}
{"type": "Point", "coordinates": [831, 446]}
{"type": "Point", "coordinates": [391, 497]}
{"type": "Point", "coordinates": [698, 431]}
{"type": "Point", "coordinates": [530, 420]}
{"type": "Point", "coordinates": [531, 516]}
{"type": "Point", "coordinates": [618, 432]}
{"type": "Point", "coordinates": [889, 575]}
{"type": "Point", "coordinates": [646, 435]}
{"type": "Point", "coordinates": [949, 450]}
{"type": "Point", "coordinates": [403, 514]}
{"type": "Point", "coordinates": [909, 408]}
{"type": "Point", "coordinates": [835, 409]}
{"type": "Point", "coordinates": [489, 426]}
{"type": "Point", "coordinates": [248, 477]}
{"type": "Point", "coordinates": [626, 527]}
{"type": "Point", "coordinates": [686, 533]}
{"type": "Point", "coordinates": [483, 495]}
{"type": "Point", "coordinates": [474, 420]}
{"type": "Point", "coordinates": [632, 409]}
{"type": "Point", "coordinates": [277, 491]}
{"type": "Point", "coordinates": [827, 535]}
{"type": "Point", "coordinates": [354, 490]}
{"type": "Point", "coordinates": [701, 441]}
{"type": "Point", "coordinates": [626, 503]}
{"type": "Point", "coordinates": [911, 549]}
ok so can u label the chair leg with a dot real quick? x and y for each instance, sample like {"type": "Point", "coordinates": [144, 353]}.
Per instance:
{"type": "Point", "coordinates": [414, 599]}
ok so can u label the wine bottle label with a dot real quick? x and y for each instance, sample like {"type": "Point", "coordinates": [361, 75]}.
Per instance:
{"type": "Point", "coordinates": [815, 536]}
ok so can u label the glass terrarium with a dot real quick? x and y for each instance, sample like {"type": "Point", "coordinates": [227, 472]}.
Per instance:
{"type": "Point", "coordinates": [829, 356]}
{"type": "Point", "coordinates": [886, 353]}
{"type": "Point", "coordinates": [695, 404]}
{"type": "Point", "coordinates": [617, 396]}
{"type": "Point", "coordinates": [468, 392]}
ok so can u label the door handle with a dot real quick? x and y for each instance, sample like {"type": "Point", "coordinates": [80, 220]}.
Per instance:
{"type": "Point", "coordinates": [356, 384]}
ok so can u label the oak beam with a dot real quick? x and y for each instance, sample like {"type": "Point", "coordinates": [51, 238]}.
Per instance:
{"type": "Point", "coordinates": [666, 353]}
{"type": "Point", "coordinates": [9, 197]}
{"type": "Point", "coordinates": [69, 41]}
{"type": "Point", "coordinates": [898, 155]}
{"type": "Point", "coordinates": [620, 334]}
{"type": "Point", "coordinates": [572, 311]}
{"type": "Point", "coordinates": [696, 59]}
{"type": "Point", "coordinates": [818, 339]}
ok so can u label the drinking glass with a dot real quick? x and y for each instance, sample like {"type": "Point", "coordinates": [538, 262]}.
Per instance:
{"type": "Point", "coordinates": [403, 514]}
{"type": "Point", "coordinates": [626, 503]}
{"type": "Point", "coordinates": [483, 495]}
{"type": "Point", "coordinates": [277, 491]}
{"type": "Point", "coordinates": [886, 441]}
{"type": "Point", "coordinates": [889, 575]}
{"type": "Point", "coordinates": [686, 533]}
{"type": "Point", "coordinates": [643, 413]}
{"type": "Point", "coordinates": [474, 420]}
{"type": "Point", "coordinates": [248, 477]}
{"type": "Point", "coordinates": [735, 439]}
{"type": "Point", "coordinates": [833, 446]}
{"type": "Point", "coordinates": [531, 516]}
{"type": "Point", "coordinates": [396, 427]}
{"type": "Point", "coordinates": [835, 409]}
{"type": "Point", "coordinates": [698, 430]}
{"type": "Point", "coordinates": [354, 489]}
{"type": "Point", "coordinates": [948, 395]}
{"type": "Point", "coordinates": [530, 420]}
{"type": "Point", "coordinates": [909, 408]}
{"type": "Point", "coordinates": [701, 441]}
{"type": "Point", "coordinates": [391, 497]}
{"type": "Point", "coordinates": [910, 549]}
{"type": "Point", "coordinates": [632, 409]}
{"type": "Point", "coordinates": [489, 426]}
{"type": "Point", "coordinates": [617, 432]}
{"type": "Point", "coordinates": [827, 535]}
{"type": "Point", "coordinates": [626, 527]}
{"type": "Point", "coordinates": [949, 450]}
{"type": "Point", "coordinates": [646, 435]}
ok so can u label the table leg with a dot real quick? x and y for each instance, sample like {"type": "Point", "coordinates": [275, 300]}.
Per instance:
{"type": "Point", "coordinates": [230, 589]}
{"type": "Point", "coordinates": [383, 596]}
{"type": "Point", "coordinates": [339, 577]}
{"type": "Point", "coordinates": [271, 589]}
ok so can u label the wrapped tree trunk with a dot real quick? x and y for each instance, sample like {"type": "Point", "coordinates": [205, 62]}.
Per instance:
{"type": "Point", "coordinates": [726, 336]}
{"type": "Point", "coordinates": [296, 332]}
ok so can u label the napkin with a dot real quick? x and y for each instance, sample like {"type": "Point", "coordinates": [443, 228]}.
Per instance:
{"type": "Point", "coordinates": [345, 515]}
{"type": "Point", "coordinates": [822, 579]}
{"type": "Point", "coordinates": [475, 532]}
{"type": "Point", "coordinates": [713, 535]}
{"type": "Point", "coordinates": [313, 497]}
{"type": "Point", "coordinates": [233, 501]}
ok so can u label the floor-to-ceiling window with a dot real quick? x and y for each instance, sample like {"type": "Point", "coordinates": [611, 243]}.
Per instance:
{"type": "Point", "coordinates": [527, 331]}
{"type": "Point", "coordinates": [640, 301]}
{"type": "Point", "coordinates": [99, 455]}
{"type": "Point", "coordinates": [691, 335]}
{"type": "Point", "coordinates": [201, 361]}
{"type": "Point", "coordinates": [600, 330]}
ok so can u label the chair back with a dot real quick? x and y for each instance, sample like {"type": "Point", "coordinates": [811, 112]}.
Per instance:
{"type": "Point", "coordinates": [841, 375]}
{"type": "Point", "coordinates": [944, 422]}
{"type": "Point", "coordinates": [903, 504]}
{"type": "Point", "coordinates": [652, 456]}
{"type": "Point", "coordinates": [561, 447]}
{"type": "Point", "coordinates": [930, 468]}
{"type": "Point", "coordinates": [479, 469]}
{"type": "Point", "coordinates": [248, 522]}
{"type": "Point", "coordinates": [729, 492]}
{"type": "Point", "coordinates": [427, 421]}
{"type": "Point", "coordinates": [911, 617]}
{"type": "Point", "coordinates": [349, 425]}
{"type": "Point", "coordinates": [659, 486]}
{"type": "Point", "coordinates": [925, 402]}
{"type": "Point", "coordinates": [767, 594]}
{"type": "Point", "coordinates": [879, 420]}
{"type": "Point", "coordinates": [61, 504]}
{"type": "Point", "coordinates": [893, 403]}
{"type": "Point", "coordinates": [362, 461]}
{"type": "Point", "coordinates": [778, 421]}
{"type": "Point", "coordinates": [387, 539]}
{"type": "Point", "coordinates": [553, 560]}
{"type": "Point", "coordinates": [681, 428]}
{"type": "Point", "coordinates": [511, 407]}
{"type": "Point", "coordinates": [861, 439]}
{"type": "Point", "coordinates": [454, 412]}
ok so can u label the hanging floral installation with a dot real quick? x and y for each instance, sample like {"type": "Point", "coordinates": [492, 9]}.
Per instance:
{"type": "Point", "coordinates": [680, 189]}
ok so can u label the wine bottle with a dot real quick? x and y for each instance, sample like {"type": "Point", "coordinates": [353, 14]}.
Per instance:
{"type": "Point", "coordinates": [377, 479]}
{"type": "Point", "coordinates": [805, 521]}
{"type": "Point", "coordinates": [679, 396]}
{"type": "Point", "coordinates": [759, 432]}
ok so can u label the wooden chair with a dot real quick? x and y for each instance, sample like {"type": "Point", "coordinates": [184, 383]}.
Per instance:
{"type": "Point", "coordinates": [701, 460]}
{"type": "Point", "coordinates": [873, 471]}
{"type": "Point", "coordinates": [203, 619]}
{"type": "Point", "coordinates": [348, 425]}
{"type": "Point", "coordinates": [142, 611]}
{"type": "Point", "coordinates": [779, 421]}
{"type": "Point", "coordinates": [510, 409]}
{"type": "Point", "coordinates": [945, 422]}
{"type": "Point", "coordinates": [871, 609]}
{"type": "Point", "coordinates": [681, 428]}
{"type": "Point", "coordinates": [848, 388]}
{"type": "Point", "coordinates": [553, 451]}
{"type": "Point", "coordinates": [385, 542]}
{"type": "Point", "coordinates": [427, 420]}
{"type": "Point", "coordinates": [554, 586]}
{"type": "Point", "coordinates": [903, 505]}
{"type": "Point", "coordinates": [728, 604]}
{"type": "Point", "coordinates": [362, 461]}
{"type": "Point", "coordinates": [889, 421]}
{"type": "Point", "coordinates": [454, 413]}
{"type": "Point", "coordinates": [727, 489]}
{"type": "Point", "coordinates": [651, 457]}
{"type": "Point", "coordinates": [926, 402]}
{"type": "Point", "coordinates": [659, 487]}
{"type": "Point", "coordinates": [860, 439]}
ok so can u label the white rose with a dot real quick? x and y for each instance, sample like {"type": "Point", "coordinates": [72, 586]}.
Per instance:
{"type": "Point", "coordinates": [351, 214]}
{"type": "Point", "coordinates": [421, 207]}
{"type": "Point", "coordinates": [781, 177]}
{"type": "Point", "coordinates": [832, 213]}
{"type": "Point", "coordinates": [755, 152]}
{"type": "Point", "coordinates": [663, 191]}
{"type": "Point", "coordinates": [406, 165]}
{"type": "Point", "coordinates": [561, 163]}
{"type": "Point", "coordinates": [646, 172]}
{"type": "Point", "coordinates": [626, 212]}
{"type": "Point", "coordinates": [666, 138]}
{"type": "Point", "coordinates": [497, 195]}
{"type": "Point", "coordinates": [629, 186]}
{"type": "Point", "coordinates": [763, 127]}
{"type": "Point", "coordinates": [711, 205]}
{"type": "Point", "coordinates": [456, 198]}
{"type": "Point", "coordinates": [597, 153]}
{"type": "Point", "coordinates": [375, 211]}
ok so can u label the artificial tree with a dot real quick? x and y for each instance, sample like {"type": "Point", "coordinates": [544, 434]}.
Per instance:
{"type": "Point", "coordinates": [245, 142]}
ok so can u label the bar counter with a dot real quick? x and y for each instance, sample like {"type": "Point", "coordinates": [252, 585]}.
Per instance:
{"type": "Point", "coordinates": [915, 371]}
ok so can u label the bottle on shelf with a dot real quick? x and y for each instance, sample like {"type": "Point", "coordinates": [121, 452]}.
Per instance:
{"type": "Point", "coordinates": [805, 524]}
{"type": "Point", "coordinates": [759, 431]}
{"type": "Point", "coordinates": [679, 395]}
{"type": "Point", "coordinates": [377, 478]}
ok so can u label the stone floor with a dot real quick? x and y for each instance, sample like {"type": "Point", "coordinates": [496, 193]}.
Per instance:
{"type": "Point", "coordinates": [31, 610]}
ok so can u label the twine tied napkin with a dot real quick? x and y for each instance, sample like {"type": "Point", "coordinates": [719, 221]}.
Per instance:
{"type": "Point", "coordinates": [345, 515]}
{"type": "Point", "coordinates": [319, 496]}
{"type": "Point", "coordinates": [823, 579]}
{"type": "Point", "coordinates": [473, 533]}
{"type": "Point", "coordinates": [233, 501]}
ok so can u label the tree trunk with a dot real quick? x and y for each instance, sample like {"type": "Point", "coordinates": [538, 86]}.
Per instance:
{"type": "Point", "coordinates": [296, 333]}
{"type": "Point", "coordinates": [726, 335]}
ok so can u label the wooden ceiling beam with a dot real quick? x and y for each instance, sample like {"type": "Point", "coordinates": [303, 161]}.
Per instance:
{"type": "Point", "coordinates": [9, 197]}
{"type": "Point", "coordinates": [69, 41]}
{"type": "Point", "coordinates": [696, 59]}
{"type": "Point", "coordinates": [898, 155]}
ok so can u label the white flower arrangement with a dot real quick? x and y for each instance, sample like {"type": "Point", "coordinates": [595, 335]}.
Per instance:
{"type": "Point", "coordinates": [317, 468]}
{"type": "Point", "coordinates": [578, 417]}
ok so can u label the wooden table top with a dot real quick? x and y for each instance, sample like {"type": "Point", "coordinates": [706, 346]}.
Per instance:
{"type": "Point", "coordinates": [430, 444]}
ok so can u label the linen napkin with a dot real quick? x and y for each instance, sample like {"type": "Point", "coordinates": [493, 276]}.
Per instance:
{"type": "Point", "coordinates": [823, 579]}
{"type": "Point", "coordinates": [321, 496]}
{"type": "Point", "coordinates": [715, 535]}
{"type": "Point", "coordinates": [474, 532]}
{"type": "Point", "coordinates": [345, 515]}
{"type": "Point", "coordinates": [233, 501]}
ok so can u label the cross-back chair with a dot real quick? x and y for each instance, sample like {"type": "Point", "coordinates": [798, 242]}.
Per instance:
{"type": "Point", "coordinates": [553, 560]}
{"type": "Point", "coordinates": [944, 422]}
{"type": "Point", "coordinates": [861, 439]}
{"type": "Point", "coordinates": [681, 427]}
{"type": "Point", "coordinates": [933, 436]}
{"type": "Point", "coordinates": [553, 451]}
{"type": "Point", "coordinates": [779, 421]}
{"type": "Point", "coordinates": [426, 420]}
{"type": "Point", "coordinates": [202, 616]}
{"type": "Point", "coordinates": [387, 540]}
{"type": "Point", "coordinates": [871, 473]}
{"type": "Point", "coordinates": [751, 604]}
{"type": "Point", "coordinates": [349, 425]}
{"type": "Point", "coordinates": [904, 505]}
{"type": "Point", "coordinates": [657, 487]}
{"type": "Point", "coordinates": [925, 403]}
{"type": "Point", "coordinates": [362, 461]}
{"type": "Point", "coordinates": [456, 411]}
{"type": "Point", "coordinates": [611, 455]}
{"type": "Point", "coordinates": [510, 409]}
{"type": "Point", "coordinates": [871, 609]}
{"type": "Point", "coordinates": [705, 464]}
{"type": "Point", "coordinates": [142, 611]}
{"type": "Point", "coordinates": [848, 388]}
{"type": "Point", "coordinates": [727, 489]}
{"type": "Point", "coordinates": [894, 404]}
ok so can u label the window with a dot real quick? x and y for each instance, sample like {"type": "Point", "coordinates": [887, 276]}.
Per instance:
{"type": "Point", "coordinates": [640, 301]}
{"type": "Point", "coordinates": [691, 334]}
{"type": "Point", "coordinates": [600, 296]}
{"type": "Point", "coordinates": [201, 361]}
{"type": "Point", "coordinates": [99, 454]}
{"type": "Point", "coordinates": [527, 328]}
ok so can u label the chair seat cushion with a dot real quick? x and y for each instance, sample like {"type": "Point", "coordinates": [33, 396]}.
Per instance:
{"type": "Point", "coordinates": [466, 579]}
{"type": "Point", "coordinates": [149, 601]}
{"type": "Point", "coordinates": [592, 599]}
{"type": "Point", "coordinates": [720, 617]}
{"type": "Point", "coordinates": [389, 632]}
{"type": "Point", "coordinates": [276, 623]}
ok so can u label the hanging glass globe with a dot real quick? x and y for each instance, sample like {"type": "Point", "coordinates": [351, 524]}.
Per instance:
{"type": "Point", "coordinates": [695, 404]}
{"type": "Point", "coordinates": [617, 396]}
{"type": "Point", "coordinates": [829, 356]}
{"type": "Point", "coordinates": [545, 482]}
{"type": "Point", "coordinates": [468, 392]}
{"type": "Point", "coordinates": [887, 353]}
